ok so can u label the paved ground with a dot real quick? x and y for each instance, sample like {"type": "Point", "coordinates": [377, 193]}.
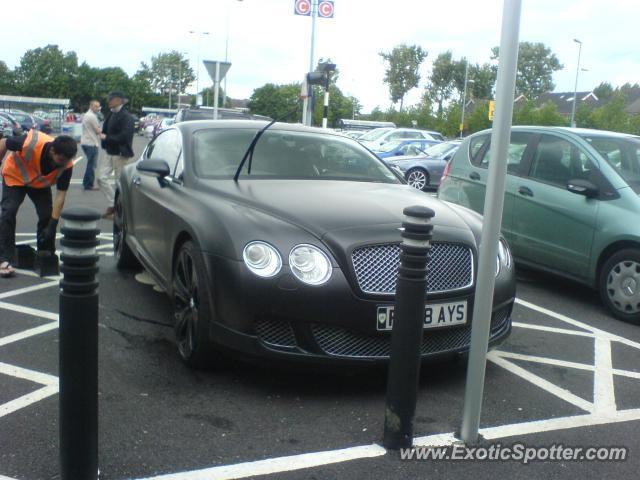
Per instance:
{"type": "Point", "coordinates": [568, 374]}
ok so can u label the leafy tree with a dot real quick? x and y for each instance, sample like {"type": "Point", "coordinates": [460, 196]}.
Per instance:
{"type": "Point", "coordinates": [613, 115]}
{"type": "Point", "coordinates": [47, 72]}
{"type": "Point", "coordinates": [339, 106]}
{"type": "Point", "coordinates": [441, 81]}
{"type": "Point", "coordinates": [478, 119]}
{"type": "Point", "coordinates": [548, 115]}
{"type": "Point", "coordinates": [484, 80]}
{"type": "Point", "coordinates": [603, 91]}
{"type": "Point", "coordinates": [7, 83]}
{"type": "Point", "coordinates": [276, 100]}
{"type": "Point", "coordinates": [536, 64]}
{"type": "Point", "coordinates": [525, 114]}
{"type": "Point", "coordinates": [401, 75]}
{"type": "Point", "coordinates": [169, 71]}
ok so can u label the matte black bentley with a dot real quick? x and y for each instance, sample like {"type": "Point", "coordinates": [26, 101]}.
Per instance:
{"type": "Point", "coordinates": [284, 243]}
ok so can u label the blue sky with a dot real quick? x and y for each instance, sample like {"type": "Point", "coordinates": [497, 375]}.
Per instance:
{"type": "Point", "coordinates": [267, 43]}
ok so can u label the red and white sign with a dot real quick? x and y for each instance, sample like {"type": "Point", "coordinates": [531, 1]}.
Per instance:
{"type": "Point", "coordinates": [325, 9]}
{"type": "Point", "coordinates": [302, 7]}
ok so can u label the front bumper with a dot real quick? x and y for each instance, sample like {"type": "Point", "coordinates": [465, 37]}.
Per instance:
{"type": "Point", "coordinates": [283, 319]}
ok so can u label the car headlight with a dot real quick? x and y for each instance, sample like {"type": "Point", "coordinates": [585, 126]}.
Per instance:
{"type": "Point", "coordinates": [262, 259]}
{"type": "Point", "coordinates": [504, 256]}
{"type": "Point", "coordinates": [310, 264]}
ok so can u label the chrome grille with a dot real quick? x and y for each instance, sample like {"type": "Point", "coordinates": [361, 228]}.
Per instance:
{"type": "Point", "coordinates": [376, 267]}
{"type": "Point", "coordinates": [275, 333]}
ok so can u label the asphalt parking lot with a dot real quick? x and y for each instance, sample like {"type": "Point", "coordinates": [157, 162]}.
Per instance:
{"type": "Point", "coordinates": [568, 374]}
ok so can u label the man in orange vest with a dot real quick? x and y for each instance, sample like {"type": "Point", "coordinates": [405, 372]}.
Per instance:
{"type": "Point", "coordinates": [34, 164]}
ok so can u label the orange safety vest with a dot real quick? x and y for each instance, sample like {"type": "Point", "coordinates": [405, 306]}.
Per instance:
{"type": "Point", "coordinates": [24, 168]}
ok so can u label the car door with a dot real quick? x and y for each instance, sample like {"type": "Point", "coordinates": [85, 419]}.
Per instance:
{"type": "Point", "coordinates": [151, 198]}
{"type": "Point", "coordinates": [474, 186]}
{"type": "Point", "coordinates": [553, 227]}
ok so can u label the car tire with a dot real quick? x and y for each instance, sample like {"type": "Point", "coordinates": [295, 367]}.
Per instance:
{"type": "Point", "coordinates": [418, 178]}
{"type": "Point", "coordinates": [125, 258]}
{"type": "Point", "coordinates": [192, 309]}
{"type": "Point", "coordinates": [619, 285]}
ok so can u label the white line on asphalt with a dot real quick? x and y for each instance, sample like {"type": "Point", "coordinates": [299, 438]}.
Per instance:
{"type": "Point", "coordinates": [2, 477]}
{"type": "Point", "coordinates": [28, 333]}
{"type": "Point", "coordinates": [544, 328]}
{"type": "Point", "coordinates": [29, 311]}
{"type": "Point", "coordinates": [30, 375]}
{"type": "Point", "coordinates": [32, 288]}
{"type": "Point", "coordinates": [30, 273]}
{"type": "Point", "coordinates": [604, 399]}
{"type": "Point", "coordinates": [28, 399]}
{"type": "Point", "coordinates": [559, 392]}
{"type": "Point", "coordinates": [545, 360]}
{"type": "Point", "coordinates": [278, 465]}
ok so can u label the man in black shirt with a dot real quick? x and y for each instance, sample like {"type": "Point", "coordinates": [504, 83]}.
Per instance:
{"type": "Point", "coordinates": [35, 162]}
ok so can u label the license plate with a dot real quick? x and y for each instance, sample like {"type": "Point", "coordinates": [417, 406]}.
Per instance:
{"type": "Point", "coordinates": [435, 315]}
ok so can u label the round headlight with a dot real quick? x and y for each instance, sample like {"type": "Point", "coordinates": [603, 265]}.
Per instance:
{"type": "Point", "coordinates": [504, 256]}
{"type": "Point", "coordinates": [310, 265]}
{"type": "Point", "coordinates": [262, 259]}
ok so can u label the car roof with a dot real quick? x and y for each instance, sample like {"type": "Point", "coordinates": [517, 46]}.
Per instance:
{"type": "Point", "coordinates": [575, 131]}
{"type": "Point", "coordinates": [192, 126]}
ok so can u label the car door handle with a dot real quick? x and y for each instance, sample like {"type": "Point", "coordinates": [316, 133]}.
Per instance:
{"type": "Point", "coordinates": [474, 176]}
{"type": "Point", "coordinates": [136, 180]}
{"type": "Point", "coordinates": [525, 191]}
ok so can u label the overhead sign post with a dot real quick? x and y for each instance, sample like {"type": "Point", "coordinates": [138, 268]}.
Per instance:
{"type": "Point", "coordinates": [217, 71]}
{"type": "Point", "coordinates": [493, 204]}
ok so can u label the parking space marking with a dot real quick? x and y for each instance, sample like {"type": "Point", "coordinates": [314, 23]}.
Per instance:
{"type": "Point", "coordinates": [26, 374]}
{"type": "Point", "coordinates": [29, 311]}
{"type": "Point", "coordinates": [28, 333]}
{"type": "Point", "coordinates": [544, 328]}
{"type": "Point", "coordinates": [2, 477]}
{"type": "Point", "coordinates": [32, 288]}
{"type": "Point", "coordinates": [278, 464]}
{"type": "Point", "coordinates": [603, 390]}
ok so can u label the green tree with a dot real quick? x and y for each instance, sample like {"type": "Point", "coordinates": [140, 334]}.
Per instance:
{"type": "Point", "coordinates": [47, 72]}
{"type": "Point", "coordinates": [613, 115]}
{"type": "Point", "coordinates": [401, 74]}
{"type": "Point", "coordinates": [276, 100]}
{"type": "Point", "coordinates": [525, 114]}
{"type": "Point", "coordinates": [441, 81]}
{"type": "Point", "coordinates": [604, 91]}
{"type": "Point", "coordinates": [7, 83]}
{"type": "Point", "coordinates": [536, 64]}
{"type": "Point", "coordinates": [548, 115]}
{"type": "Point", "coordinates": [478, 119]}
{"type": "Point", "coordinates": [169, 71]}
{"type": "Point", "coordinates": [340, 106]}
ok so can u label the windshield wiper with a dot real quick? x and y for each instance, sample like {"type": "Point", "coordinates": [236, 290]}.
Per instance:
{"type": "Point", "coordinates": [249, 153]}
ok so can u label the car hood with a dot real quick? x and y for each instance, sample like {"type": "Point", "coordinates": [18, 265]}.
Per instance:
{"type": "Point", "coordinates": [323, 207]}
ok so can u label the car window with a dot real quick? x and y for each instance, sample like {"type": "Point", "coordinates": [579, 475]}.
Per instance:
{"type": "Point", "coordinates": [411, 149]}
{"type": "Point", "coordinates": [515, 152]}
{"type": "Point", "coordinates": [622, 153]}
{"type": "Point", "coordinates": [475, 146]}
{"type": "Point", "coordinates": [167, 147]}
{"type": "Point", "coordinates": [556, 161]}
{"type": "Point", "coordinates": [396, 136]}
{"type": "Point", "coordinates": [374, 134]}
{"type": "Point", "coordinates": [286, 155]}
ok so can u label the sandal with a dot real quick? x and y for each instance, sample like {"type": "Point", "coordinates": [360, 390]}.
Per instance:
{"type": "Point", "coordinates": [6, 270]}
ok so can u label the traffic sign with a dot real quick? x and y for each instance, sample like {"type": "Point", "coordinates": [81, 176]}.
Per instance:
{"type": "Point", "coordinates": [302, 7]}
{"type": "Point", "coordinates": [325, 9]}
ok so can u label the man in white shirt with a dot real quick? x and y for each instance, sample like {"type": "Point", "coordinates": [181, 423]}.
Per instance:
{"type": "Point", "coordinates": [90, 143]}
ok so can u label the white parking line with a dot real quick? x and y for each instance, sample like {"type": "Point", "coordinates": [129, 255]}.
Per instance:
{"type": "Point", "coordinates": [32, 288]}
{"type": "Point", "coordinates": [604, 399]}
{"type": "Point", "coordinates": [28, 399]}
{"type": "Point", "coordinates": [26, 374]}
{"type": "Point", "coordinates": [544, 328]}
{"type": "Point", "coordinates": [29, 311]}
{"type": "Point", "coordinates": [28, 333]}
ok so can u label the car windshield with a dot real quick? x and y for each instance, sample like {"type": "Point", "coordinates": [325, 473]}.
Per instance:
{"type": "Point", "coordinates": [622, 153]}
{"type": "Point", "coordinates": [440, 149]}
{"type": "Point", "coordinates": [374, 134]}
{"type": "Point", "coordinates": [286, 155]}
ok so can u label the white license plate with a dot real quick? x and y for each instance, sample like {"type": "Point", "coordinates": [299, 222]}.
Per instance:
{"type": "Point", "coordinates": [435, 315]}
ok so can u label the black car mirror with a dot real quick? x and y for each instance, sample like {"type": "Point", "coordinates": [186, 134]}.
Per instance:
{"type": "Point", "coordinates": [583, 187]}
{"type": "Point", "coordinates": [159, 168]}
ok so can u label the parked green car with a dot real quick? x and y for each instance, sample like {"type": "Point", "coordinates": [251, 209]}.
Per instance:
{"type": "Point", "coordinates": [572, 205]}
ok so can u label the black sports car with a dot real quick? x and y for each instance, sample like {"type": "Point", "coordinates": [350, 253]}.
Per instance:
{"type": "Point", "coordinates": [293, 253]}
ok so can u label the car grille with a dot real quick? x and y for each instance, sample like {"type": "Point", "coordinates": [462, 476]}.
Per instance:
{"type": "Point", "coordinates": [376, 268]}
{"type": "Point", "coordinates": [339, 341]}
{"type": "Point", "coordinates": [275, 333]}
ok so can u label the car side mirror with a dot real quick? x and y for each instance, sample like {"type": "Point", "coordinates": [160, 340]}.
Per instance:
{"type": "Point", "coordinates": [152, 166]}
{"type": "Point", "coordinates": [583, 187]}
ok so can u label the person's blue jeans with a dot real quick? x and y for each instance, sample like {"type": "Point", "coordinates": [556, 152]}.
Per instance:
{"type": "Point", "coordinates": [90, 173]}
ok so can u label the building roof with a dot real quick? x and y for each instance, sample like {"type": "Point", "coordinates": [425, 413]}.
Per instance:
{"type": "Point", "coordinates": [564, 100]}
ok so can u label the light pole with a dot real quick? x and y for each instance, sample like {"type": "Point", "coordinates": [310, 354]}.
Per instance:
{"type": "Point", "coordinates": [464, 94]}
{"type": "Point", "coordinates": [180, 77]}
{"type": "Point", "coordinates": [575, 88]}
{"type": "Point", "coordinates": [226, 56]}
{"type": "Point", "coordinates": [198, 62]}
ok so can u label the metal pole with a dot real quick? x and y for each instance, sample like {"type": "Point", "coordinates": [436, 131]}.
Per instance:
{"type": "Point", "coordinates": [494, 200]}
{"type": "Point", "coordinates": [216, 86]}
{"type": "Point", "coordinates": [407, 326]}
{"type": "Point", "coordinates": [325, 109]}
{"type": "Point", "coordinates": [575, 88]}
{"type": "Point", "coordinates": [78, 346]}
{"type": "Point", "coordinates": [309, 103]}
{"type": "Point", "coordinates": [170, 82]}
{"type": "Point", "coordinates": [226, 59]}
{"type": "Point", "coordinates": [464, 95]}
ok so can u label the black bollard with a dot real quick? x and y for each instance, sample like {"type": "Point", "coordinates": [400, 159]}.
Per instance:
{"type": "Point", "coordinates": [79, 346]}
{"type": "Point", "coordinates": [406, 335]}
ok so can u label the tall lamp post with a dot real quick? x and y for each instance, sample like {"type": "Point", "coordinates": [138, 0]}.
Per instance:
{"type": "Point", "coordinates": [464, 95]}
{"type": "Point", "coordinates": [199, 34]}
{"type": "Point", "coordinates": [575, 88]}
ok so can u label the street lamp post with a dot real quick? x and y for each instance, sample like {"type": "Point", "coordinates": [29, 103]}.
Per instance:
{"type": "Point", "coordinates": [226, 56]}
{"type": "Point", "coordinates": [198, 62]}
{"type": "Point", "coordinates": [575, 88]}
